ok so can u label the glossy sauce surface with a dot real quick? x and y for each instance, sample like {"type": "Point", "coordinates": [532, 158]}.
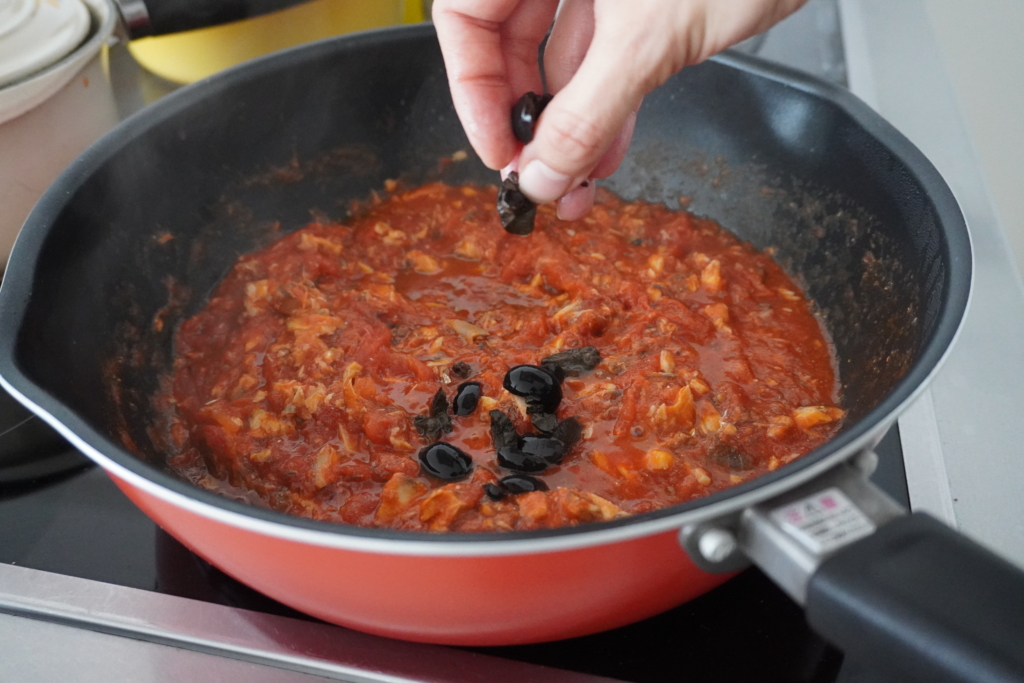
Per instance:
{"type": "Point", "coordinates": [297, 385]}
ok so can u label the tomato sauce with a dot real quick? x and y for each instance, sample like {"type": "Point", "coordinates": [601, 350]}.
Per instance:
{"type": "Point", "coordinates": [296, 386]}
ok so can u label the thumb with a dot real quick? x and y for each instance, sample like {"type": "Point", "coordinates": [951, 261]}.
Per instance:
{"type": "Point", "coordinates": [585, 117]}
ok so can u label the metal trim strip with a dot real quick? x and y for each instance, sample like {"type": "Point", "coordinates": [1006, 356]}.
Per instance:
{"type": "Point", "coordinates": [274, 641]}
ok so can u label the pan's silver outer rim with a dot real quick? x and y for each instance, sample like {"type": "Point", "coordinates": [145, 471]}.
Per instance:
{"type": "Point", "coordinates": [478, 547]}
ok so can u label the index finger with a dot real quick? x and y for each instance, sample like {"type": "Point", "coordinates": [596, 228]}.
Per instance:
{"type": "Point", "coordinates": [490, 53]}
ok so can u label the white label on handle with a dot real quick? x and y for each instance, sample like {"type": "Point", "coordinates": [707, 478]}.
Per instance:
{"type": "Point", "coordinates": [824, 522]}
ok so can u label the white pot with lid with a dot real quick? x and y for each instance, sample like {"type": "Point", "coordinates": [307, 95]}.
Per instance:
{"type": "Point", "coordinates": [55, 96]}
{"type": "Point", "coordinates": [36, 34]}
{"type": "Point", "coordinates": [55, 93]}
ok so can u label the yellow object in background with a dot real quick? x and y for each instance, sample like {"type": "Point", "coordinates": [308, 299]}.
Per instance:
{"type": "Point", "coordinates": [189, 56]}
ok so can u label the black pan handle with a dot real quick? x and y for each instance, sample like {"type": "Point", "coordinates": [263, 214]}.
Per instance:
{"type": "Point", "coordinates": [920, 602]}
{"type": "Point", "coordinates": [157, 17]}
{"type": "Point", "coordinates": [899, 594]}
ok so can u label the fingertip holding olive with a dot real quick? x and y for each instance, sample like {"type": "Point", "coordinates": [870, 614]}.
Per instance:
{"type": "Point", "coordinates": [538, 386]}
{"type": "Point", "coordinates": [445, 461]}
{"type": "Point", "coordinates": [525, 114]}
{"type": "Point", "coordinates": [466, 398]}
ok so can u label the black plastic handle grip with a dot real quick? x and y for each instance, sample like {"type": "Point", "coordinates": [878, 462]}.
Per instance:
{"type": "Point", "coordinates": [172, 16]}
{"type": "Point", "coordinates": [919, 602]}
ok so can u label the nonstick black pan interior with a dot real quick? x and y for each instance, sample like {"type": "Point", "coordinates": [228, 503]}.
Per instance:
{"type": "Point", "coordinates": [135, 235]}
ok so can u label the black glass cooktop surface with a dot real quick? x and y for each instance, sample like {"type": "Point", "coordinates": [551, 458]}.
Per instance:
{"type": "Point", "coordinates": [79, 524]}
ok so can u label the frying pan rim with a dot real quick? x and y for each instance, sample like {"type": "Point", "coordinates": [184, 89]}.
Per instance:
{"type": "Point", "coordinates": [15, 295]}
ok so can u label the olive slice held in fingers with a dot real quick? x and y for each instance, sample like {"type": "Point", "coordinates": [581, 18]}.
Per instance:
{"type": "Point", "coordinates": [525, 113]}
{"type": "Point", "coordinates": [515, 210]}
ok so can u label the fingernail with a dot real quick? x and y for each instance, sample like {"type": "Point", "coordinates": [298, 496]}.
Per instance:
{"type": "Point", "coordinates": [577, 203]}
{"type": "Point", "coordinates": [541, 184]}
{"type": "Point", "coordinates": [512, 166]}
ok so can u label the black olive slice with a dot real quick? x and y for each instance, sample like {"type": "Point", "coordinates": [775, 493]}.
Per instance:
{"type": "Point", "coordinates": [445, 461]}
{"type": "Point", "coordinates": [568, 432]}
{"type": "Point", "coordinates": [494, 492]}
{"type": "Point", "coordinates": [545, 422]}
{"type": "Point", "coordinates": [538, 386]}
{"type": "Point", "coordinates": [506, 443]}
{"type": "Point", "coordinates": [730, 457]}
{"type": "Point", "coordinates": [466, 398]}
{"type": "Point", "coordinates": [431, 427]}
{"type": "Point", "coordinates": [548, 449]}
{"type": "Point", "coordinates": [503, 431]}
{"type": "Point", "coordinates": [573, 362]}
{"type": "Point", "coordinates": [462, 370]}
{"type": "Point", "coordinates": [515, 210]}
{"type": "Point", "coordinates": [515, 459]}
{"type": "Point", "coordinates": [439, 404]}
{"type": "Point", "coordinates": [522, 483]}
{"type": "Point", "coordinates": [525, 113]}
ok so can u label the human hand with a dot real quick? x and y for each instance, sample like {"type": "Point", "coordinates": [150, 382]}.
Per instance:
{"type": "Point", "coordinates": [603, 56]}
